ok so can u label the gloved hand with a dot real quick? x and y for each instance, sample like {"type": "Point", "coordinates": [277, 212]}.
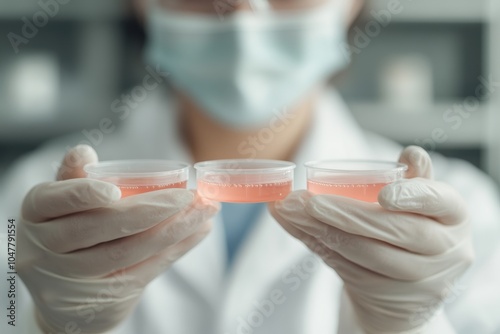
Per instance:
{"type": "Point", "coordinates": [86, 256]}
{"type": "Point", "coordinates": [397, 259]}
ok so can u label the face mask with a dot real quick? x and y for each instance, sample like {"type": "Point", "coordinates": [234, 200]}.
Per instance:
{"type": "Point", "coordinates": [245, 68]}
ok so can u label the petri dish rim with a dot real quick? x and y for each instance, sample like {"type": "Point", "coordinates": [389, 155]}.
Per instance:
{"type": "Point", "coordinates": [396, 167]}
{"type": "Point", "coordinates": [94, 168]}
{"type": "Point", "coordinates": [274, 166]}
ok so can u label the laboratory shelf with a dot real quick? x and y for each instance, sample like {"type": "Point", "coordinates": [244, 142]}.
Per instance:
{"type": "Point", "coordinates": [492, 156]}
{"type": "Point", "coordinates": [68, 118]}
{"type": "Point", "coordinates": [425, 125]}
{"type": "Point", "coordinates": [456, 11]}
{"type": "Point", "coordinates": [88, 10]}
{"type": "Point", "coordinates": [414, 11]}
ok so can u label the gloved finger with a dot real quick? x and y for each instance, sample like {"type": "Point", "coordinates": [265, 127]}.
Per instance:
{"type": "Point", "coordinates": [147, 270]}
{"type": "Point", "coordinates": [290, 228]}
{"type": "Point", "coordinates": [296, 202]}
{"type": "Point", "coordinates": [359, 280]}
{"type": "Point", "coordinates": [315, 245]}
{"type": "Point", "coordinates": [415, 233]}
{"type": "Point", "coordinates": [418, 161]}
{"type": "Point", "coordinates": [55, 199]}
{"type": "Point", "coordinates": [292, 209]}
{"type": "Point", "coordinates": [126, 217]}
{"type": "Point", "coordinates": [105, 258]}
{"type": "Point", "coordinates": [74, 160]}
{"type": "Point", "coordinates": [372, 254]}
{"type": "Point", "coordinates": [368, 282]}
{"type": "Point", "coordinates": [354, 276]}
{"type": "Point", "coordinates": [310, 237]}
{"type": "Point", "coordinates": [425, 197]}
{"type": "Point", "coordinates": [386, 259]}
{"type": "Point", "coordinates": [60, 300]}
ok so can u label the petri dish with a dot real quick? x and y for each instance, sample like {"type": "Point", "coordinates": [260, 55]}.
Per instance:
{"type": "Point", "coordinates": [135, 177]}
{"type": "Point", "coordinates": [358, 179]}
{"type": "Point", "coordinates": [244, 180]}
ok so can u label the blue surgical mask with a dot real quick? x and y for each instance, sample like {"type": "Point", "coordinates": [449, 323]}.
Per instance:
{"type": "Point", "coordinates": [241, 70]}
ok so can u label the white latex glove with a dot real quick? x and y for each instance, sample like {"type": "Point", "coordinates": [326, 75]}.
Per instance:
{"type": "Point", "coordinates": [398, 259]}
{"type": "Point", "coordinates": [86, 256]}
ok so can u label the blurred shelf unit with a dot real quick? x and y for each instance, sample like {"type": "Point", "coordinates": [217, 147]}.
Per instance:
{"type": "Point", "coordinates": [492, 159]}
{"type": "Point", "coordinates": [87, 10]}
{"type": "Point", "coordinates": [439, 125]}
{"type": "Point", "coordinates": [458, 42]}
{"type": "Point", "coordinates": [63, 77]}
{"type": "Point", "coordinates": [457, 11]}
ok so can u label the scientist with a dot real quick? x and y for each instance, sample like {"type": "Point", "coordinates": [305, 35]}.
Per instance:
{"type": "Point", "coordinates": [250, 80]}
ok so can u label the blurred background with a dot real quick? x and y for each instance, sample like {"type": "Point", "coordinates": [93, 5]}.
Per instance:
{"type": "Point", "coordinates": [426, 73]}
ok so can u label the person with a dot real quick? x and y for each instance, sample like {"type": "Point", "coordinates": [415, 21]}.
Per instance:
{"type": "Point", "coordinates": [251, 84]}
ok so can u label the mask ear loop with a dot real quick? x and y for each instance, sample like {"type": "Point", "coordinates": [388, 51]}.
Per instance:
{"type": "Point", "coordinates": [260, 5]}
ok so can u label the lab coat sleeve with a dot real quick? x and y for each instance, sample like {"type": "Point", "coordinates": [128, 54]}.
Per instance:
{"type": "Point", "coordinates": [28, 171]}
{"type": "Point", "coordinates": [28, 324]}
{"type": "Point", "coordinates": [474, 304]}
{"type": "Point", "coordinates": [483, 202]}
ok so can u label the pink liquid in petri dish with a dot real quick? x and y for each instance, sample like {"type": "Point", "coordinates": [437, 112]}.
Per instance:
{"type": "Point", "coordinates": [130, 190]}
{"type": "Point", "coordinates": [244, 192]}
{"type": "Point", "coordinates": [363, 192]}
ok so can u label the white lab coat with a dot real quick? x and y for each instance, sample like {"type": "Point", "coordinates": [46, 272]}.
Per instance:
{"type": "Point", "coordinates": [276, 285]}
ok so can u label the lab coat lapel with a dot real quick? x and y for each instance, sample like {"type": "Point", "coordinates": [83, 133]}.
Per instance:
{"type": "Point", "coordinates": [203, 268]}
{"type": "Point", "coordinates": [265, 256]}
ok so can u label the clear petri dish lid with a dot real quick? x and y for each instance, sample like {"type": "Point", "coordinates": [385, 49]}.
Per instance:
{"type": "Point", "coordinates": [142, 171]}
{"type": "Point", "coordinates": [356, 167]}
{"type": "Point", "coordinates": [245, 166]}
{"type": "Point", "coordinates": [244, 171]}
{"type": "Point", "coordinates": [354, 171]}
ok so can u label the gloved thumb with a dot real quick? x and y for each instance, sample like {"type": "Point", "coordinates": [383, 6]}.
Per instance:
{"type": "Point", "coordinates": [74, 160]}
{"type": "Point", "coordinates": [418, 161]}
